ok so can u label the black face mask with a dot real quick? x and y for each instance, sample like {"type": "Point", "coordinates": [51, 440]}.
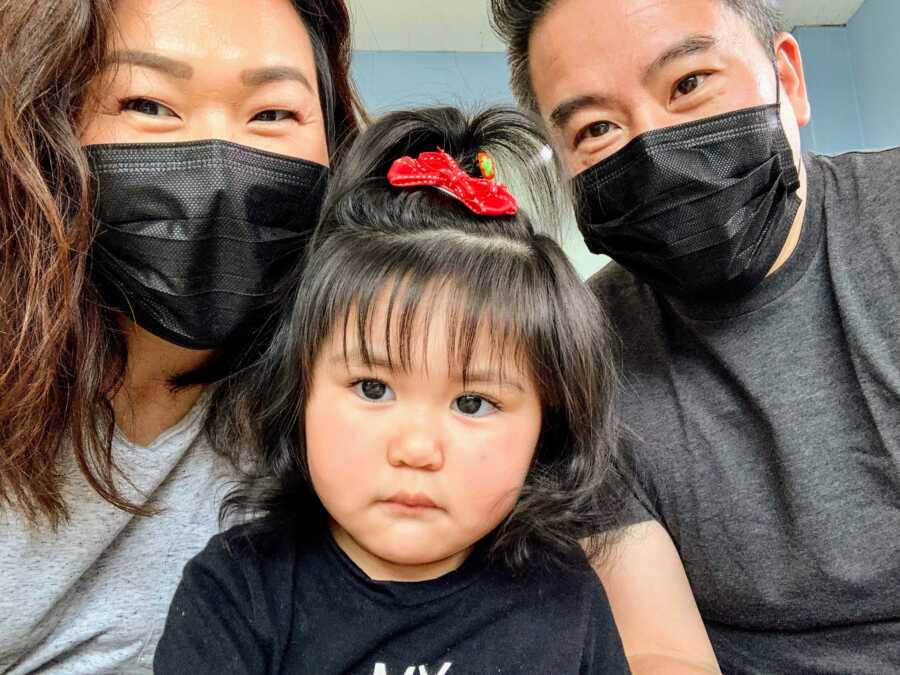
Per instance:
{"type": "Point", "coordinates": [195, 237]}
{"type": "Point", "coordinates": [701, 209]}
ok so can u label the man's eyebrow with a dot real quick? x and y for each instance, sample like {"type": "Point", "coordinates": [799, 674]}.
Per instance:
{"type": "Point", "coordinates": [256, 77]}
{"type": "Point", "coordinates": [171, 67]}
{"type": "Point", "coordinates": [692, 44]}
{"type": "Point", "coordinates": [564, 112]}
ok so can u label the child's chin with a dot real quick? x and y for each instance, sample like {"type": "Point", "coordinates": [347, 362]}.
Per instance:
{"type": "Point", "coordinates": [421, 557]}
{"type": "Point", "coordinates": [412, 554]}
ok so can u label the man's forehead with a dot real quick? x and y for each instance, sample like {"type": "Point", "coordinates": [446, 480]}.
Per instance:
{"type": "Point", "coordinates": [616, 20]}
{"type": "Point", "coordinates": [594, 46]}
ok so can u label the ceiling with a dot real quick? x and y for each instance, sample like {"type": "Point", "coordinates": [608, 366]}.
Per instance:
{"type": "Point", "coordinates": [462, 25]}
{"type": "Point", "coordinates": [819, 12]}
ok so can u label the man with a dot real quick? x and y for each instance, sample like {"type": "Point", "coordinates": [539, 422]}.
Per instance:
{"type": "Point", "coordinates": [756, 292]}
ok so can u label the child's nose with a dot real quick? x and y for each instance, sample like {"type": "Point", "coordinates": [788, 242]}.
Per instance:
{"type": "Point", "coordinates": [417, 443]}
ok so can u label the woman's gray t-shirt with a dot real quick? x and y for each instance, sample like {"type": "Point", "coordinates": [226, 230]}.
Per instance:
{"type": "Point", "coordinates": [92, 597]}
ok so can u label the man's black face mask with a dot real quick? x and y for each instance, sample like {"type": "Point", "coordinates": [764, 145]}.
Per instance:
{"type": "Point", "coordinates": [194, 238]}
{"type": "Point", "coordinates": [702, 209]}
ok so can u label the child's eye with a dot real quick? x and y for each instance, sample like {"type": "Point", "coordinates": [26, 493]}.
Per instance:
{"type": "Point", "coordinates": [272, 116]}
{"type": "Point", "coordinates": [145, 106]}
{"type": "Point", "coordinates": [473, 406]}
{"type": "Point", "coordinates": [373, 390]}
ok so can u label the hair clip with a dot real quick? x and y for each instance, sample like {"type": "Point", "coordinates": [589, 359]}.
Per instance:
{"type": "Point", "coordinates": [438, 169]}
{"type": "Point", "coordinates": [485, 165]}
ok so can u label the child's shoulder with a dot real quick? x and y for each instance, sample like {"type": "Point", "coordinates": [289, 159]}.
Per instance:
{"type": "Point", "coordinates": [255, 538]}
{"type": "Point", "coordinates": [254, 553]}
{"type": "Point", "coordinates": [571, 583]}
{"type": "Point", "coordinates": [567, 601]}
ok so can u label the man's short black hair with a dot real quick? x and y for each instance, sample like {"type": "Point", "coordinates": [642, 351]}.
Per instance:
{"type": "Point", "coordinates": [513, 20]}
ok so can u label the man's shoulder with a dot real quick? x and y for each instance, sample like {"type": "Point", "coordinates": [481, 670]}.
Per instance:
{"type": "Point", "coordinates": [631, 305]}
{"type": "Point", "coordinates": [869, 169]}
{"type": "Point", "coordinates": [619, 290]}
{"type": "Point", "coordinates": [611, 280]}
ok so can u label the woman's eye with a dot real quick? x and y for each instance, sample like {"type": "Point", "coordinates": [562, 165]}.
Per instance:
{"type": "Point", "coordinates": [473, 406]}
{"type": "Point", "coordinates": [145, 106]}
{"type": "Point", "coordinates": [595, 130]}
{"type": "Point", "coordinates": [272, 116]}
{"type": "Point", "coordinates": [373, 390]}
{"type": "Point", "coordinates": [688, 84]}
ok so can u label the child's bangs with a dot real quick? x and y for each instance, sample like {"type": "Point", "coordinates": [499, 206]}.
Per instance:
{"type": "Point", "coordinates": [393, 317]}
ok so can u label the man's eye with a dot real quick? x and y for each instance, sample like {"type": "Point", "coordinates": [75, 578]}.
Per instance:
{"type": "Point", "coordinates": [145, 106]}
{"type": "Point", "coordinates": [595, 130]}
{"type": "Point", "coordinates": [688, 84]}
{"type": "Point", "coordinates": [473, 406]}
{"type": "Point", "coordinates": [373, 390]}
{"type": "Point", "coordinates": [272, 116]}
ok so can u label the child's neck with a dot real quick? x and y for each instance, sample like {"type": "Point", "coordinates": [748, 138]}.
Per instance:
{"type": "Point", "coordinates": [379, 569]}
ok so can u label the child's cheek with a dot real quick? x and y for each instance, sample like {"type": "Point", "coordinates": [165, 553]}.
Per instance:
{"type": "Point", "coordinates": [496, 477]}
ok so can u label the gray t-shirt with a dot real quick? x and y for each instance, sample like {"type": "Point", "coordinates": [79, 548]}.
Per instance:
{"type": "Point", "coordinates": [767, 435]}
{"type": "Point", "coordinates": [92, 597]}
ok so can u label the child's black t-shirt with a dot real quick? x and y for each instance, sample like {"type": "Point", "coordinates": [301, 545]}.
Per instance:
{"type": "Point", "coordinates": [259, 602]}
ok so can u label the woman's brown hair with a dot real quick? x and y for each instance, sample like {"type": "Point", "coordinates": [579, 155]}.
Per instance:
{"type": "Point", "coordinates": [62, 358]}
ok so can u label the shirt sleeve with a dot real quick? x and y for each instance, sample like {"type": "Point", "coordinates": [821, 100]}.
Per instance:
{"type": "Point", "coordinates": [212, 625]}
{"type": "Point", "coordinates": [603, 653]}
{"type": "Point", "coordinates": [637, 507]}
{"type": "Point", "coordinates": [637, 504]}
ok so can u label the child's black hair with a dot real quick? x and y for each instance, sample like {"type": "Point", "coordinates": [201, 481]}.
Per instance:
{"type": "Point", "coordinates": [408, 245]}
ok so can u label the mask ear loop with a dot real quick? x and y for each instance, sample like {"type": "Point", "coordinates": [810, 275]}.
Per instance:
{"type": "Point", "coordinates": [777, 81]}
{"type": "Point", "coordinates": [789, 172]}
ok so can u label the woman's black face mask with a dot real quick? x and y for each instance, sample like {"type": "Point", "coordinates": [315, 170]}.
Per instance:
{"type": "Point", "coordinates": [702, 209]}
{"type": "Point", "coordinates": [193, 238]}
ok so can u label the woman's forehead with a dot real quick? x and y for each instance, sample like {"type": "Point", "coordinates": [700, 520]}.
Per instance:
{"type": "Point", "coordinates": [229, 37]}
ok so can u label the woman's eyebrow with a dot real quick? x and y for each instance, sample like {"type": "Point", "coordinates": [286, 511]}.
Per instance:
{"type": "Point", "coordinates": [253, 77]}
{"type": "Point", "coordinates": [256, 77]}
{"type": "Point", "coordinates": [163, 64]}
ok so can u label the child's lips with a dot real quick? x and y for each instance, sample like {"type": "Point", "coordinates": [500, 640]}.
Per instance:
{"type": "Point", "coordinates": [412, 501]}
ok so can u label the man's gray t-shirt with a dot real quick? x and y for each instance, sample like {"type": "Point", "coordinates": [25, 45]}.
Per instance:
{"type": "Point", "coordinates": [767, 434]}
{"type": "Point", "coordinates": [92, 596]}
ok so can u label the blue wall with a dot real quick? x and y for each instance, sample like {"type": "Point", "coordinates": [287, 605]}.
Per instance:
{"type": "Point", "coordinates": [853, 76]}
{"type": "Point", "coordinates": [836, 125]}
{"type": "Point", "coordinates": [874, 39]}
{"type": "Point", "coordinates": [390, 80]}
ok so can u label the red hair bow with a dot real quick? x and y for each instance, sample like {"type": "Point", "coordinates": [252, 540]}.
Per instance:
{"type": "Point", "coordinates": [438, 169]}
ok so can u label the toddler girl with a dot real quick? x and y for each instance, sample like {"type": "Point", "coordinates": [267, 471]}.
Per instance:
{"type": "Point", "coordinates": [434, 418]}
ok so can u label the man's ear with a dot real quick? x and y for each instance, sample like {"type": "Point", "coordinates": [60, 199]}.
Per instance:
{"type": "Point", "coordinates": [791, 77]}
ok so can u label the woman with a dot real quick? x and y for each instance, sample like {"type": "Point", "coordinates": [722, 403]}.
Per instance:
{"type": "Point", "coordinates": [162, 162]}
